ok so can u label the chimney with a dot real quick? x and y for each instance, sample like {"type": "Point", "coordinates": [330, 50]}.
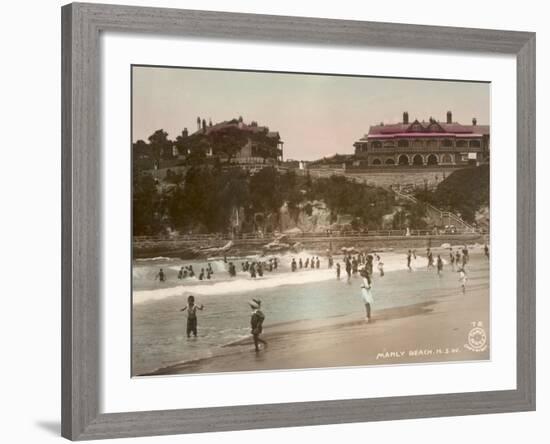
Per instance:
{"type": "Point", "coordinates": [449, 117]}
{"type": "Point", "coordinates": [406, 117]}
{"type": "Point", "coordinates": [474, 121]}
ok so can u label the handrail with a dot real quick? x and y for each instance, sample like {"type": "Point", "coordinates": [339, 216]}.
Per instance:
{"type": "Point", "coordinates": [442, 213]}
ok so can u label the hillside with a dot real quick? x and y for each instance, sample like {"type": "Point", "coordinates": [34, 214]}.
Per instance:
{"type": "Point", "coordinates": [465, 192]}
{"type": "Point", "coordinates": [207, 199]}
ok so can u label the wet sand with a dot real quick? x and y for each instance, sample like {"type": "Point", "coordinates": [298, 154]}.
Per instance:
{"type": "Point", "coordinates": [433, 331]}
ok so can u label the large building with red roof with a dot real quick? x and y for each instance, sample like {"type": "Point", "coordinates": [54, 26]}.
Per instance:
{"type": "Point", "coordinates": [423, 144]}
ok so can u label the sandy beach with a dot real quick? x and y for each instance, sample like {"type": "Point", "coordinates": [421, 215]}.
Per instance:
{"type": "Point", "coordinates": [446, 326]}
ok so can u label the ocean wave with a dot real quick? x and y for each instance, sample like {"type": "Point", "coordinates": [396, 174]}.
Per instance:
{"type": "Point", "coordinates": [243, 283]}
{"type": "Point", "coordinates": [235, 285]}
{"type": "Point", "coordinates": [156, 259]}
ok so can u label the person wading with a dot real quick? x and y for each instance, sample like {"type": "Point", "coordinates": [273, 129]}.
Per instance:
{"type": "Point", "coordinates": [256, 323]}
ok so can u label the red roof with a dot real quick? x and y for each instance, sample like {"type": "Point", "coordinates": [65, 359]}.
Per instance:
{"type": "Point", "coordinates": [449, 129]}
{"type": "Point", "coordinates": [427, 134]}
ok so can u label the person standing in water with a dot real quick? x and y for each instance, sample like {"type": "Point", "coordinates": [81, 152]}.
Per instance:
{"type": "Point", "coordinates": [380, 267]}
{"type": "Point", "coordinates": [462, 278]}
{"type": "Point", "coordinates": [439, 265]}
{"type": "Point", "coordinates": [338, 270]}
{"type": "Point", "coordinates": [160, 276]}
{"type": "Point", "coordinates": [256, 323]}
{"type": "Point", "coordinates": [430, 259]}
{"type": "Point", "coordinates": [366, 295]}
{"type": "Point", "coordinates": [192, 315]}
{"type": "Point", "coordinates": [348, 269]}
{"type": "Point", "coordinates": [452, 259]}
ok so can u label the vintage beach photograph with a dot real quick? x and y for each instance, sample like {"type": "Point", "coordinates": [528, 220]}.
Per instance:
{"type": "Point", "coordinates": [285, 221]}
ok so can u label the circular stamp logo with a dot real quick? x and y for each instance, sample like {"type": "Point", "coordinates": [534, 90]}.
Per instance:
{"type": "Point", "coordinates": [477, 339]}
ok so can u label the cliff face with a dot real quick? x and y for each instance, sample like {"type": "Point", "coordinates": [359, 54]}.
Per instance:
{"type": "Point", "coordinates": [309, 217]}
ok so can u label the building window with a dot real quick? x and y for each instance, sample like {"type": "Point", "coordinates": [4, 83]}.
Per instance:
{"type": "Point", "coordinates": [389, 144]}
{"type": "Point", "coordinates": [432, 159]}
{"type": "Point", "coordinates": [390, 162]}
{"type": "Point", "coordinates": [461, 144]}
{"type": "Point", "coordinates": [431, 144]}
{"type": "Point", "coordinates": [447, 143]}
{"type": "Point", "coordinates": [418, 160]}
{"type": "Point", "coordinates": [418, 144]}
{"type": "Point", "coordinates": [376, 162]}
{"type": "Point", "coordinates": [402, 143]}
{"type": "Point", "coordinates": [475, 144]}
{"type": "Point", "coordinates": [447, 158]}
{"type": "Point", "coordinates": [376, 144]}
{"type": "Point", "coordinates": [403, 160]}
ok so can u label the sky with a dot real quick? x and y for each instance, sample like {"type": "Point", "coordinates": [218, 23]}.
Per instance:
{"type": "Point", "coordinates": [316, 115]}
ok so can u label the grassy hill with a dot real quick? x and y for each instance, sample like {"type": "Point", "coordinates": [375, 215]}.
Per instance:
{"type": "Point", "coordinates": [464, 192]}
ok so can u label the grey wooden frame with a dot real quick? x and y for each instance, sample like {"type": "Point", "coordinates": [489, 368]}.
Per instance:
{"type": "Point", "coordinates": [81, 26]}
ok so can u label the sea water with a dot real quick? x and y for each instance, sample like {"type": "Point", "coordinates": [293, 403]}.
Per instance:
{"type": "Point", "coordinates": [159, 327]}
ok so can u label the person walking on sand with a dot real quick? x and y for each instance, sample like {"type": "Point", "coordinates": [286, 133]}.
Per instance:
{"type": "Point", "coordinates": [317, 263]}
{"type": "Point", "coordinates": [462, 278]}
{"type": "Point", "coordinates": [300, 263]}
{"type": "Point", "coordinates": [338, 271]}
{"type": "Point", "coordinates": [160, 276]}
{"type": "Point", "coordinates": [256, 323]}
{"type": "Point", "coordinates": [191, 309]}
{"type": "Point", "coordinates": [439, 265]}
{"type": "Point", "coordinates": [486, 251]}
{"type": "Point", "coordinates": [293, 265]}
{"type": "Point", "coordinates": [409, 256]}
{"type": "Point", "coordinates": [366, 295]}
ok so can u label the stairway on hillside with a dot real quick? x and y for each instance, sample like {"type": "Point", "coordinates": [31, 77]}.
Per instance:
{"type": "Point", "coordinates": [441, 218]}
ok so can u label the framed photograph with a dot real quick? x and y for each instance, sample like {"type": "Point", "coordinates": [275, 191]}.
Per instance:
{"type": "Point", "coordinates": [284, 221]}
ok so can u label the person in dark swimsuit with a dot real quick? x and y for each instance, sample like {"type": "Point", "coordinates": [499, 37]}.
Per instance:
{"type": "Point", "coordinates": [161, 276]}
{"type": "Point", "coordinates": [192, 315]}
{"type": "Point", "coordinates": [256, 323]}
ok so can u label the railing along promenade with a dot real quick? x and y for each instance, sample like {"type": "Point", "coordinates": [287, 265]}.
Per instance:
{"type": "Point", "coordinates": [296, 237]}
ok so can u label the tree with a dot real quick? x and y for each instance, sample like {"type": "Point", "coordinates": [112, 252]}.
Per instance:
{"type": "Point", "coordinates": [228, 141]}
{"type": "Point", "coordinates": [145, 204]}
{"type": "Point", "coordinates": [161, 146]}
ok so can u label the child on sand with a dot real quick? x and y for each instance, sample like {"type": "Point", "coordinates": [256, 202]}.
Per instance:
{"type": "Point", "coordinates": [366, 295]}
{"type": "Point", "coordinates": [192, 315]}
{"type": "Point", "coordinates": [256, 323]}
